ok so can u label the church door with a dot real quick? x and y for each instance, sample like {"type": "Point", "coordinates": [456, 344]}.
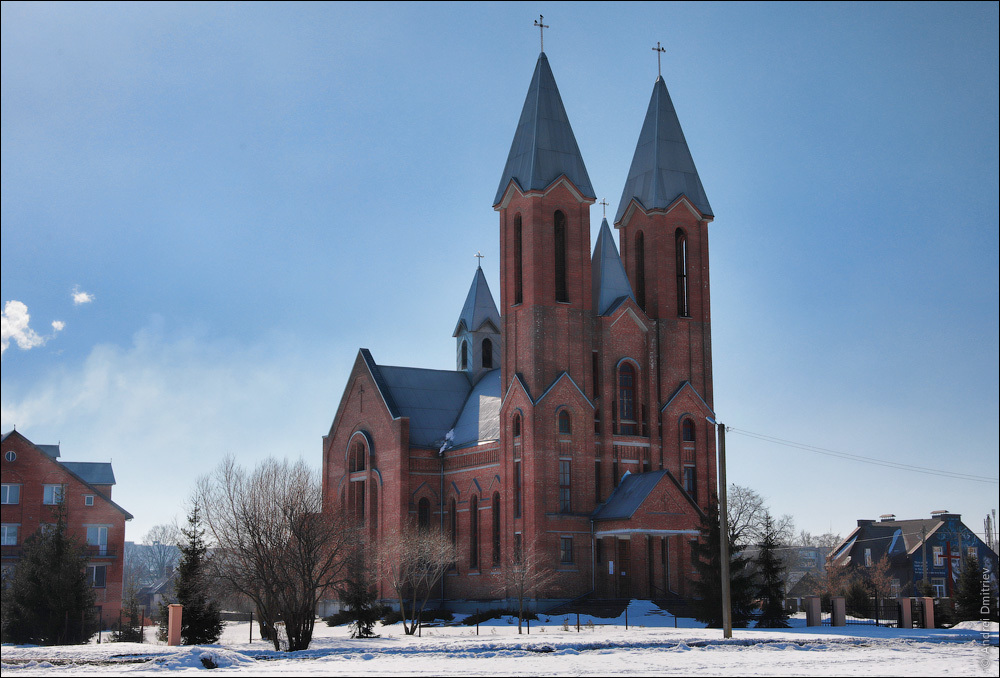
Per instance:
{"type": "Point", "coordinates": [624, 569]}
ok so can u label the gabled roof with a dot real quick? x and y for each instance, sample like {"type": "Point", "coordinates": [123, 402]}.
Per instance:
{"type": "Point", "coordinates": [628, 496]}
{"type": "Point", "coordinates": [479, 307]}
{"type": "Point", "coordinates": [93, 472]}
{"type": "Point", "coordinates": [432, 399]}
{"type": "Point", "coordinates": [544, 146]}
{"type": "Point", "coordinates": [662, 167]}
{"type": "Point", "coordinates": [609, 284]}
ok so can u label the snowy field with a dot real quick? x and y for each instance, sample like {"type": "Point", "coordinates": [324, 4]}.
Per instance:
{"type": "Point", "coordinates": [650, 646]}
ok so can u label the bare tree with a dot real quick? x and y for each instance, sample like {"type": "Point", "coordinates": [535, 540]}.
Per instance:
{"type": "Point", "coordinates": [413, 560]}
{"type": "Point", "coordinates": [274, 543]}
{"type": "Point", "coordinates": [746, 510]}
{"type": "Point", "coordinates": [160, 552]}
{"type": "Point", "coordinates": [525, 573]}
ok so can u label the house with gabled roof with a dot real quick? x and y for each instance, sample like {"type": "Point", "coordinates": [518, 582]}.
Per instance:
{"type": "Point", "coordinates": [577, 419]}
{"type": "Point", "coordinates": [933, 549]}
{"type": "Point", "coordinates": [35, 481]}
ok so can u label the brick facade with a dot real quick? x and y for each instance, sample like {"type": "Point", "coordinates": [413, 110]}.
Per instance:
{"type": "Point", "coordinates": [30, 468]}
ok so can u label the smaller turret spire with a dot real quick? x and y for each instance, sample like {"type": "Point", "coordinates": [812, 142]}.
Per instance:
{"type": "Point", "coordinates": [609, 284]}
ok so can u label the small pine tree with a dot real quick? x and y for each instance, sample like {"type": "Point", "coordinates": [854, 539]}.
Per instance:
{"type": "Point", "coordinates": [708, 588]}
{"type": "Point", "coordinates": [201, 622]}
{"type": "Point", "coordinates": [770, 583]}
{"type": "Point", "coordinates": [359, 595]}
{"type": "Point", "coordinates": [129, 629]}
{"type": "Point", "coordinates": [49, 600]}
{"type": "Point", "coordinates": [969, 591]}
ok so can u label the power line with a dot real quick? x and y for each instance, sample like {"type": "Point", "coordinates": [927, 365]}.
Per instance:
{"type": "Point", "coordinates": [867, 460]}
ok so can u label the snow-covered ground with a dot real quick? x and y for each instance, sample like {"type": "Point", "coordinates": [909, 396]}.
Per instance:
{"type": "Point", "coordinates": [650, 646]}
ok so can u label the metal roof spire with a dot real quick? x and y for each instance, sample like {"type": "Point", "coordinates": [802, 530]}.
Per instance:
{"type": "Point", "coordinates": [662, 167]}
{"type": "Point", "coordinates": [544, 146]}
{"type": "Point", "coordinates": [609, 283]}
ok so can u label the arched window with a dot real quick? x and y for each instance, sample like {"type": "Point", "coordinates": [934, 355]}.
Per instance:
{"type": "Point", "coordinates": [518, 286]}
{"type": "Point", "coordinates": [640, 270]}
{"type": "Point", "coordinates": [487, 354]}
{"type": "Point", "coordinates": [564, 422]}
{"type": "Point", "coordinates": [424, 514]}
{"type": "Point", "coordinates": [357, 457]}
{"type": "Point", "coordinates": [680, 248]}
{"type": "Point", "coordinates": [562, 293]}
{"type": "Point", "coordinates": [516, 425]}
{"type": "Point", "coordinates": [496, 528]}
{"type": "Point", "coordinates": [464, 357]}
{"type": "Point", "coordinates": [626, 399]}
{"type": "Point", "coordinates": [687, 431]}
{"type": "Point", "coordinates": [474, 532]}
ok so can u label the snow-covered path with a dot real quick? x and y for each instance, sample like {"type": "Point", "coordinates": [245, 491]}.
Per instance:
{"type": "Point", "coordinates": [651, 646]}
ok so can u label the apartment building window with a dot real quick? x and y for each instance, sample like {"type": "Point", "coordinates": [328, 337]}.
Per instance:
{"type": "Point", "coordinates": [10, 494]}
{"type": "Point", "coordinates": [8, 536]}
{"type": "Point", "coordinates": [52, 494]}
{"type": "Point", "coordinates": [97, 576]}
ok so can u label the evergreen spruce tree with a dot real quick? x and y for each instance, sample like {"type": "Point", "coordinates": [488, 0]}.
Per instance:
{"type": "Point", "coordinates": [359, 596]}
{"type": "Point", "coordinates": [708, 588]}
{"type": "Point", "coordinates": [49, 599]}
{"type": "Point", "coordinates": [770, 579]}
{"type": "Point", "coordinates": [969, 591]}
{"type": "Point", "coordinates": [200, 620]}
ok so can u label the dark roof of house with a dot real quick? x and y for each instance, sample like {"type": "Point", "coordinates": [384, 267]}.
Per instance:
{"type": "Point", "coordinates": [479, 307]}
{"type": "Point", "coordinates": [662, 167]}
{"type": "Point", "coordinates": [609, 284]}
{"type": "Point", "coordinates": [93, 472]}
{"type": "Point", "coordinates": [628, 496]}
{"type": "Point", "coordinates": [544, 146]}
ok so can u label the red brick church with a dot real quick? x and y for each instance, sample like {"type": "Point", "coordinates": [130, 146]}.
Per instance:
{"type": "Point", "coordinates": [576, 419]}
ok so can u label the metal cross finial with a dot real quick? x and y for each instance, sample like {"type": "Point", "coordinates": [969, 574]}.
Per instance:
{"type": "Point", "coordinates": [604, 206]}
{"type": "Point", "coordinates": [659, 50]}
{"type": "Point", "coordinates": [479, 255]}
{"type": "Point", "coordinates": [541, 30]}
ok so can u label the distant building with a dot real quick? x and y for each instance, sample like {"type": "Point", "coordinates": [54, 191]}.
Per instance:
{"type": "Point", "coordinates": [934, 549]}
{"type": "Point", "coordinates": [35, 481]}
{"type": "Point", "coordinates": [579, 414]}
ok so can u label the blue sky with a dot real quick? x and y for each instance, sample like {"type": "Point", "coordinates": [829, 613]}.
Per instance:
{"type": "Point", "coordinates": [247, 194]}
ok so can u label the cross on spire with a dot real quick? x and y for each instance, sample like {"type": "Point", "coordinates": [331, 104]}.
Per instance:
{"type": "Point", "coordinates": [604, 207]}
{"type": "Point", "coordinates": [541, 30]}
{"type": "Point", "coordinates": [659, 50]}
{"type": "Point", "coordinates": [479, 255]}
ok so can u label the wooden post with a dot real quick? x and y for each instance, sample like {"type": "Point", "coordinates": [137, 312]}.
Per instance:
{"type": "Point", "coordinates": [174, 614]}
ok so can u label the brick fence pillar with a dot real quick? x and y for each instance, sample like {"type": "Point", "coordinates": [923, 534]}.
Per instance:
{"type": "Point", "coordinates": [839, 612]}
{"type": "Point", "coordinates": [813, 614]}
{"type": "Point", "coordinates": [174, 614]}
{"type": "Point", "coordinates": [928, 612]}
{"type": "Point", "coordinates": [905, 613]}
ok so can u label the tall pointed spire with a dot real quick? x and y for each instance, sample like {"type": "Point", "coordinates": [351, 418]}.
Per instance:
{"type": "Point", "coordinates": [479, 307]}
{"type": "Point", "coordinates": [662, 167]}
{"type": "Point", "coordinates": [544, 145]}
{"type": "Point", "coordinates": [608, 280]}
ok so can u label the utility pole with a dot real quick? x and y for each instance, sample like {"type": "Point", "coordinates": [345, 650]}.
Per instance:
{"type": "Point", "coordinates": [727, 608]}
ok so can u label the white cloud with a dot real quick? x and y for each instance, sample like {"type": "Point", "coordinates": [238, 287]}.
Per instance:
{"type": "Point", "coordinates": [81, 297]}
{"type": "Point", "coordinates": [15, 321]}
{"type": "Point", "coordinates": [58, 325]}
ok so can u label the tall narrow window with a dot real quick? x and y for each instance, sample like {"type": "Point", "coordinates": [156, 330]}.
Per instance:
{"type": "Point", "coordinates": [690, 481]}
{"type": "Point", "coordinates": [565, 488]}
{"type": "Point", "coordinates": [640, 270]}
{"type": "Point", "coordinates": [562, 293]}
{"type": "Point", "coordinates": [566, 550]}
{"type": "Point", "coordinates": [687, 431]}
{"type": "Point", "coordinates": [626, 399]}
{"type": "Point", "coordinates": [496, 528]}
{"type": "Point", "coordinates": [597, 481]}
{"type": "Point", "coordinates": [517, 489]}
{"type": "Point", "coordinates": [516, 426]}
{"type": "Point", "coordinates": [518, 287]}
{"type": "Point", "coordinates": [680, 248]}
{"type": "Point", "coordinates": [595, 372]}
{"type": "Point", "coordinates": [564, 423]}
{"type": "Point", "coordinates": [474, 532]}
{"type": "Point", "coordinates": [424, 514]}
{"type": "Point", "coordinates": [464, 358]}
{"type": "Point", "coordinates": [357, 462]}
{"type": "Point", "coordinates": [487, 354]}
